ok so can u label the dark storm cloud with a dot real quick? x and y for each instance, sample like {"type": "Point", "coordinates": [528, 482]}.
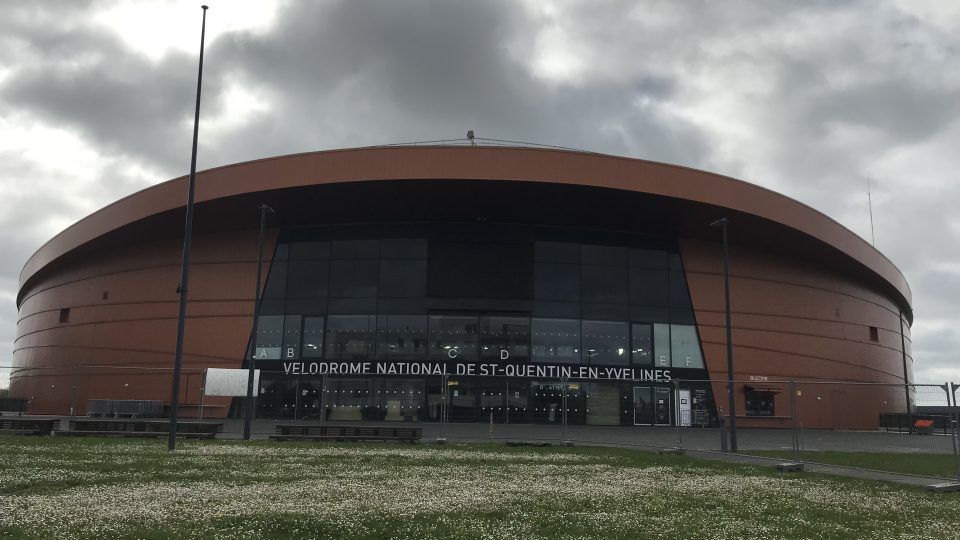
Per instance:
{"type": "Point", "coordinates": [370, 73]}
{"type": "Point", "coordinates": [82, 77]}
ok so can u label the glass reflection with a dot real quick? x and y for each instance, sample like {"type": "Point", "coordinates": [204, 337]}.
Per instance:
{"type": "Point", "coordinates": [504, 339]}
{"type": "Point", "coordinates": [349, 337]}
{"type": "Point", "coordinates": [402, 337]}
{"type": "Point", "coordinates": [641, 347]}
{"type": "Point", "coordinates": [605, 342]}
{"type": "Point", "coordinates": [269, 337]}
{"type": "Point", "coordinates": [555, 340]}
{"type": "Point", "coordinates": [453, 337]}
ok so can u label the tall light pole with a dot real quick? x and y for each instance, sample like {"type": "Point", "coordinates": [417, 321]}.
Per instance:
{"type": "Point", "coordinates": [185, 268]}
{"type": "Point", "coordinates": [252, 356]}
{"type": "Point", "coordinates": [722, 223]}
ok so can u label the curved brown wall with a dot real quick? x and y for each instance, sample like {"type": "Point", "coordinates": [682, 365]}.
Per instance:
{"type": "Point", "coordinates": [805, 291]}
{"type": "Point", "coordinates": [119, 341]}
{"type": "Point", "coordinates": [797, 320]}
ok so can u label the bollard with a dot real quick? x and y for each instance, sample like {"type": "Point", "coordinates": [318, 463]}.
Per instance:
{"type": "Point", "coordinates": [441, 438]}
{"type": "Point", "coordinates": [676, 394]}
{"type": "Point", "coordinates": [956, 444]}
{"type": "Point", "coordinates": [723, 436]}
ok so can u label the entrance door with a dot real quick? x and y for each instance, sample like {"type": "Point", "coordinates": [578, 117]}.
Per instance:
{"type": "Point", "coordinates": [661, 406]}
{"type": "Point", "coordinates": [643, 406]}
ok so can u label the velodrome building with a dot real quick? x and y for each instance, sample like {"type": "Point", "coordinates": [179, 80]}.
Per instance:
{"type": "Point", "coordinates": [497, 276]}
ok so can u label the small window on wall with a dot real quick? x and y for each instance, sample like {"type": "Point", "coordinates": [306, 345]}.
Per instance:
{"type": "Point", "coordinates": [269, 337]}
{"type": "Point", "coordinates": [874, 333]}
{"type": "Point", "coordinates": [759, 402]}
{"type": "Point", "coordinates": [65, 315]}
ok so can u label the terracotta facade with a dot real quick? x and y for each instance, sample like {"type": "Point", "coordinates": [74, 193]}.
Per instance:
{"type": "Point", "coordinates": [811, 301]}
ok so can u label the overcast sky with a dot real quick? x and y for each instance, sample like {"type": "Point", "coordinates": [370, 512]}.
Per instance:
{"type": "Point", "coordinates": [811, 99]}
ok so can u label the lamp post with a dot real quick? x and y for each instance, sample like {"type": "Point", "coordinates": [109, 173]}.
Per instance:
{"type": "Point", "coordinates": [722, 223]}
{"type": "Point", "coordinates": [252, 357]}
{"type": "Point", "coordinates": [185, 267]}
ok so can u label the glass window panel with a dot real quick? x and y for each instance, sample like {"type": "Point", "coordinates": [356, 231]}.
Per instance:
{"type": "Point", "coordinates": [661, 345]}
{"type": "Point", "coordinates": [682, 316]}
{"type": "Point", "coordinates": [675, 262]}
{"type": "Point", "coordinates": [554, 281]}
{"type": "Point", "coordinates": [604, 284]}
{"type": "Point", "coordinates": [402, 337]}
{"type": "Point", "coordinates": [313, 337]}
{"type": "Point", "coordinates": [291, 337]}
{"type": "Point", "coordinates": [349, 337]}
{"type": "Point", "coordinates": [403, 248]}
{"type": "Point", "coordinates": [505, 339]}
{"type": "Point", "coordinates": [310, 250]}
{"type": "Point", "coordinates": [555, 340]}
{"type": "Point", "coordinates": [356, 249]}
{"type": "Point", "coordinates": [641, 348]}
{"type": "Point", "coordinates": [679, 295]}
{"type": "Point", "coordinates": [403, 278]}
{"type": "Point", "coordinates": [650, 313]}
{"type": "Point", "coordinates": [276, 281]}
{"type": "Point", "coordinates": [307, 279]}
{"type": "Point", "coordinates": [480, 270]}
{"type": "Point", "coordinates": [603, 255]}
{"type": "Point", "coordinates": [557, 252]}
{"type": "Point", "coordinates": [648, 258]}
{"type": "Point", "coordinates": [269, 337]}
{"type": "Point", "coordinates": [685, 347]}
{"type": "Point", "coordinates": [648, 287]}
{"type": "Point", "coordinates": [353, 279]}
{"type": "Point", "coordinates": [282, 252]}
{"type": "Point", "coordinates": [605, 342]}
{"type": "Point", "coordinates": [453, 337]}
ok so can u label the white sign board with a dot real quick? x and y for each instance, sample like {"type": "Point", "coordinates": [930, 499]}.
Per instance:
{"type": "Point", "coordinates": [229, 382]}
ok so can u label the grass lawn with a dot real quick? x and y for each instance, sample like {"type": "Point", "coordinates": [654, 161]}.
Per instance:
{"type": "Point", "coordinates": [923, 464]}
{"type": "Point", "coordinates": [105, 488]}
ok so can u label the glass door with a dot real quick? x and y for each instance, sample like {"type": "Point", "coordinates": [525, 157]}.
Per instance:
{"type": "Point", "coordinates": [643, 406]}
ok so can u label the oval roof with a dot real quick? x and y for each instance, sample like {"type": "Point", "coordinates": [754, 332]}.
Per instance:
{"type": "Point", "coordinates": [470, 163]}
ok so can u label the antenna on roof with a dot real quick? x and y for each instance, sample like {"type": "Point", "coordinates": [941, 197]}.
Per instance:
{"type": "Point", "coordinates": [873, 239]}
{"type": "Point", "coordinates": [470, 138]}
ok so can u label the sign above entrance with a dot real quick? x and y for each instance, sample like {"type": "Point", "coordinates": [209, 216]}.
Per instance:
{"type": "Point", "coordinates": [481, 369]}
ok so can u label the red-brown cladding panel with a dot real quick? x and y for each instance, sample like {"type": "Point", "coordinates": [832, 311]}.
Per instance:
{"type": "Point", "coordinates": [476, 163]}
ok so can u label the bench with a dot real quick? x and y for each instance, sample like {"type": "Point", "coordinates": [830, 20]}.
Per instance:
{"type": "Point", "coordinates": [27, 426]}
{"type": "Point", "coordinates": [313, 432]}
{"type": "Point", "coordinates": [140, 428]}
{"type": "Point", "coordinates": [144, 434]}
{"type": "Point", "coordinates": [13, 405]}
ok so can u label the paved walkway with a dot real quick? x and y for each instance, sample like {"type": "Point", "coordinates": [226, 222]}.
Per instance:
{"type": "Point", "coordinates": [697, 442]}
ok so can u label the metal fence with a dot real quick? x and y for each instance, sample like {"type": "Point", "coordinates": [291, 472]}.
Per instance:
{"type": "Point", "coordinates": [792, 418]}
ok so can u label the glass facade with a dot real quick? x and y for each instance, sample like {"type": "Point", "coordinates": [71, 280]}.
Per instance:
{"type": "Point", "coordinates": [509, 323]}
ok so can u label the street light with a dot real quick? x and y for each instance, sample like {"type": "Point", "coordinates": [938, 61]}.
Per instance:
{"type": "Point", "coordinates": [722, 223]}
{"type": "Point", "coordinates": [185, 266]}
{"type": "Point", "coordinates": [252, 350]}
